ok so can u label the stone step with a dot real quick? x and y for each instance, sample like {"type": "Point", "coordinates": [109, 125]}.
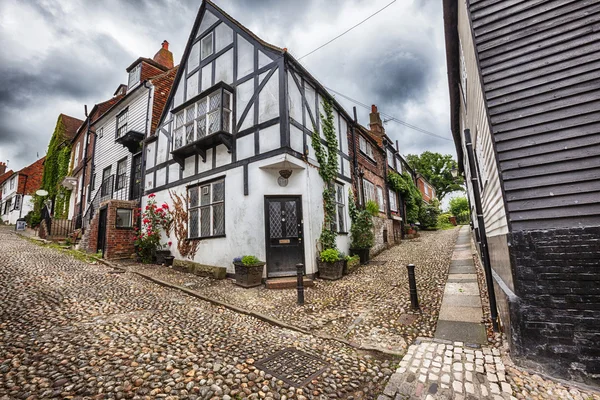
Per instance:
{"type": "Point", "coordinates": [286, 283]}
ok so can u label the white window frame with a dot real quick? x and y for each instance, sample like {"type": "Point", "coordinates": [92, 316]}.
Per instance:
{"type": "Point", "coordinates": [101, 132]}
{"type": "Point", "coordinates": [121, 175]}
{"type": "Point", "coordinates": [393, 200]}
{"type": "Point", "coordinates": [76, 160]}
{"type": "Point", "coordinates": [121, 123]}
{"type": "Point", "coordinates": [212, 45]}
{"type": "Point", "coordinates": [380, 199]}
{"type": "Point", "coordinates": [210, 206]}
{"type": "Point", "coordinates": [390, 158]}
{"type": "Point", "coordinates": [12, 182]}
{"type": "Point", "coordinates": [134, 76]}
{"type": "Point", "coordinates": [369, 191]}
{"type": "Point", "coordinates": [340, 207]}
{"type": "Point", "coordinates": [365, 147]}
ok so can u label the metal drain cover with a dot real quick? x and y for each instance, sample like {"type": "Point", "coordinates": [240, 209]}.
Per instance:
{"type": "Point", "coordinates": [407, 319]}
{"type": "Point", "coordinates": [294, 367]}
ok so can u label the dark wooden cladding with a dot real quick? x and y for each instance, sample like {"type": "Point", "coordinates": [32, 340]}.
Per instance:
{"type": "Point", "coordinates": [540, 64]}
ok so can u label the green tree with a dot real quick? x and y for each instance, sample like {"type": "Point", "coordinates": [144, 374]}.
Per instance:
{"type": "Point", "coordinates": [458, 205]}
{"type": "Point", "coordinates": [436, 168]}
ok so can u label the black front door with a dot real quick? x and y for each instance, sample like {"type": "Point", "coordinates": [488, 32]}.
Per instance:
{"type": "Point", "coordinates": [136, 177]}
{"type": "Point", "coordinates": [102, 230]}
{"type": "Point", "coordinates": [285, 248]}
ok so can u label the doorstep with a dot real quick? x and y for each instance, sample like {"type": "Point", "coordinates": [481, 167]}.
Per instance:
{"type": "Point", "coordinates": [286, 283]}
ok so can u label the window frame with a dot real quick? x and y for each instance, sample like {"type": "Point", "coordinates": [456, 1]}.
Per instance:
{"type": "Point", "coordinates": [340, 202]}
{"type": "Point", "coordinates": [109, 169]}
{"type": "Point", "coordinates": [121, 178]}
{"type": "Point", "coordinates": [212, 45]}
{"type": "Point", "coordinates": [77, 150]}
{"type": "Point", "coordinates": [130, 225]}
{"type": "Point", "coordinates": [210, 206]}
{"type": "Point", "coordinates": [393, 196]}
{"type": "Point", "coordinates": [124, 112]}
{"type": "Point", "coordinates": [12, 182]}
{"type": "Point", "coordinates": [101, 132]}
{"type": "Point", "coordinates": [368, 148]}
{"type": "Point", "coordinates": [380, 198]}
{"type": "Point", "coordinates": [368, 187]}
{"type": "Point", "coordinates": [136, 72]}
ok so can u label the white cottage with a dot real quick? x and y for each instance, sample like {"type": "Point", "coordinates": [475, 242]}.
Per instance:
{"type": "Point", "coordinates": [234, 141]}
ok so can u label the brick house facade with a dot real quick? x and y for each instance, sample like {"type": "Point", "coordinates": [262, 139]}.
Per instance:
{"type": "Point", "coordinates": [426, 189]}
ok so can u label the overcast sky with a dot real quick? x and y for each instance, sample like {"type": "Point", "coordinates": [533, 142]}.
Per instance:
{"type": "Point", "coordinates": [58, 55]}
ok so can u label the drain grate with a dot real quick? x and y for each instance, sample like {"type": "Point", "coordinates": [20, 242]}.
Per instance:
{"type": "Point", "coordinates": [294, 367]}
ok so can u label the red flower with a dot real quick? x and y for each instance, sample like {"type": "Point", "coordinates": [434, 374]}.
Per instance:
{"type": "Point", "coordinates": [146, 221]}
{"type": "Point", "coordinates": [170, 243]}
{"type": "Point", "coordinates": [165, 206]}
{"type": "Point", "coordinates": [151, 195]}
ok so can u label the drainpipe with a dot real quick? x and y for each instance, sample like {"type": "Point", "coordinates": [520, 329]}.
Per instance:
{"type": "Point", "coordinates": [143, 164]}
{"type": "Point", "coordinates": [85, 161]}
{"type": "Point", "coordinates": [482, 234]}
{"type": "Point", "coordinates": [354, 158]}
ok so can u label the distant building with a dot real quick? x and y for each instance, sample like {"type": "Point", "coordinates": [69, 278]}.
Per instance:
{"type": "Point", "coordinates": [17, 190]}
{"type": "Point", "coordinates": [525, 108]}
{"type": "Point", "coordinates": [427, 190]}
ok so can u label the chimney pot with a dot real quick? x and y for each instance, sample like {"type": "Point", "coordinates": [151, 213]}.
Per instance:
{"type": "Point", "coordinates": [373, 108]}
{"type": "Point", "coordinates": [165, 45]}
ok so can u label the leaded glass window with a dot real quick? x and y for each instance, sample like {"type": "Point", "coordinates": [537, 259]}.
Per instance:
{"type": "Point", "coordinates": [178, 141]}
{"type": "Point", "coordinates": [206, 204]}
{"type": "Point", "coordinates": [207, 45]}
{"type": "Point", "coordinates": [122, 123]}
{"type": "Point", "coordinates": [339, 221]}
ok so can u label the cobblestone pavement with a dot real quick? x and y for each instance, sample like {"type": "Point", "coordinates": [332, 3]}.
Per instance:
{"type": "Point", "coordinates": [370, 307]}
{"type": "Point", "coordinates": [69, 329]}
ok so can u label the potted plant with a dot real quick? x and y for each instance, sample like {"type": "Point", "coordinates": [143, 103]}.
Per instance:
{"type": "Point", "coordinates": [361, 235]}
{"type": "Point", "coordinates": [248, 271]}
{"type": "Point", "coordinates": [351, 263]}
{"type": "Point", "coordinates": [331, 264]}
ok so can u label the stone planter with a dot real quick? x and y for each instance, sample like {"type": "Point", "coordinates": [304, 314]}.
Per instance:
{"type": "Point", "coordinates": [248, 276]}
{"type": "Point", "coordinates": [362, 253]}
{"type": "Point", "coordinates": [330, 271]}
{"type": "Point", "coordinates": [169, 261]}
{"type": "Point", "coordinates": [160, 256]}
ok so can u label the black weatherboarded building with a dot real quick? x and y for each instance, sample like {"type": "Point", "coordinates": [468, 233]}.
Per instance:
{"type": "Point", "coordinates": [524, 79]}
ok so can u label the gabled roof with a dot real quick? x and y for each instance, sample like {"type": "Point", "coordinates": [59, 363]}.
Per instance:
{"type": "Point", "coordinates": [34, 174]}
{"type": "Point", "coordinates": [71, 125]}
{"type": "Point", "coordinates": [5, 176]}
{"type": "Point", "coordinates": [162, 88]}
{"type": "Point", "coordinates": [97, 111]}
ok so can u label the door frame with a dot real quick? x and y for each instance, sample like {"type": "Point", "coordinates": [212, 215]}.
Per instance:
{"type": "Point", "coordinates": [132, 176]}
{"type": "Point", "coordinates": [100, 211]}
{"type": "Point", "coordinates": [267, 238]}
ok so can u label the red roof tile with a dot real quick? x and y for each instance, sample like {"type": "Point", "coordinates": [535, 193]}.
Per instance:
{"type": "Point", "coordinates": [162, 87]}
{"type": "Point", "coordinates": [34, 174]}
{"type": "Point", "coordinates": [71, 125]}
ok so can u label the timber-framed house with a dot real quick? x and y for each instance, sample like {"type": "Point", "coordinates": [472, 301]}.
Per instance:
{"type": "Point", "coordinates": [234, 140]}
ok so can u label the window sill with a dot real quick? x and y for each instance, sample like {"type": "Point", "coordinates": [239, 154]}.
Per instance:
{"type": "Point", "coordinates": [343, 233]}
{"type": "Point", "coordinates": [207, 237]}
{"type": "Point", "coordinates": [125, 228]}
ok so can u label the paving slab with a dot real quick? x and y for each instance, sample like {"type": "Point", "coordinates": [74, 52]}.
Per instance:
{"type": "Point", "coordinates": [462, 314]}
{"type": "Point", "coordinates": [462, 301]}
{"type": "Point", "coordinates": [462, 288]}
{"type": "Point", "coordinates": [468, 332]}
{"type": "Point", "coordinates": [463, 269]}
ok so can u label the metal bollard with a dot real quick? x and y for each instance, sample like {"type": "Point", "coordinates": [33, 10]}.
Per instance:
{"type": "Point", "coordinates": [412, 284]}
{"type": "Point", "coordinates": [300, 273]}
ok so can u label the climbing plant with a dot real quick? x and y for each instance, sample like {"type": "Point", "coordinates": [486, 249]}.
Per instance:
{"type": "Point", "coordinates": [327, 156]}
{"type": "Point", "coordinates": [187, 247]}
{"type": "Point", "coordinates": [404, 184]}
{"type": "Point", "coordinates": [56, 167]}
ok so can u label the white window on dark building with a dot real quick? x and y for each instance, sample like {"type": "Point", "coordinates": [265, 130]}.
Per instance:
{"type": "Point", "coordinates": [390, 159]}
{"type": "Point", "coordinates": [207, 45]}
{"type": "Point", "coordinates": [369, 191]}
{"type": "Point", "coordinates": [124, 218]}
{"type": "Point", "coordinates": [365, 147]}
{"type": "Point", "coordinates": [393, 201]}
{"type": "Point", "coordinates": [76, 160]}
{"type": "Point", "coordinates": [122, 123]}
{"type": "Point", "coordinates": [134, 75]}
{"type": "Point", "coordinates": [206, 210]}
{"type": "Point", "coordinates": [380, 201]}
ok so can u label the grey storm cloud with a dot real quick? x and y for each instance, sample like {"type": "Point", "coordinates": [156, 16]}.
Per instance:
{"type": "Point", "coordinates": [84, 47]}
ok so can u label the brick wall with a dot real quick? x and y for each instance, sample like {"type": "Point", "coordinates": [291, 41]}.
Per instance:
{"type": "Point", "coordinates": [421, 186]}
{"type": "Point", "coordinates": [557, 280]}
{"type": "Point", "coordinates": [119, 241]}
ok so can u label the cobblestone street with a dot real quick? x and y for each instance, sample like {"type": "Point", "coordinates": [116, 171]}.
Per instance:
{"type": "Point", "coordinates": [370, 307]}
{"type": "Point", "coordinates": [69, 329]}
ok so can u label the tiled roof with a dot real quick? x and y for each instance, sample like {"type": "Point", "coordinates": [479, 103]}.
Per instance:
{"type": "Point", "coordinates": [5, 176]}
{"type": "Point", "coordinates": [149, 61]}
{"type": "Point", "coordinates": [162, 87]}
{"type": "Point", "coordinates": [34, 174]}
{"type": "Point", "coordinates": [71, 125]}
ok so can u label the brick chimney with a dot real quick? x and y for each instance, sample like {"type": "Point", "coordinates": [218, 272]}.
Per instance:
{"type": "Point", "coordinates": [2, 168]}
{"type": "Point", "coordinates": [164, 56]}
{"type": "Point", "coordinates": [375, 123]}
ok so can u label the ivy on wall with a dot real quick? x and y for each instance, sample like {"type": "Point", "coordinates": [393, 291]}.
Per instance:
{"type": "Point", "coordinates": [328, 168]}
{"type": "Point", "coordinates": [56, 168]}
{"type": "Point", "coordinates": [404, 184]}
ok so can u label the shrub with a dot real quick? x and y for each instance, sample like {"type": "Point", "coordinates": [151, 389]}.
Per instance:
{"type": "Point", "coordinates": [463, 217]}
{"type": "Point", "coordinates": [444, 219]}
{"type": "Point", "coordinates": [330, 255]}
{"type": "Point", "coordinates": [249, 261]}
{"type": "Point", "coordinates": [361, 231]}
{"type": "Point", "coordinates": [372, 207]}
{"type": "Point", "coordinates": [405, 185]}
{"type": "Point", "coordinates": [459, 205]}
{"type": "Point", "coordinates": [428, 216]}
